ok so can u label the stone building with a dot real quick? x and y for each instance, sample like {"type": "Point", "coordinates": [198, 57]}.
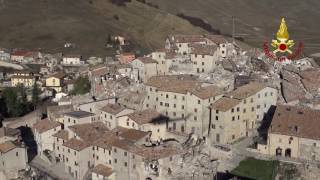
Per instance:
{"type": "Point", "coordinates": [293, 133]}
{"type": "Point", "coordinates": [146, 68]}
{"type": "Point", "coordinates": [110, 114]}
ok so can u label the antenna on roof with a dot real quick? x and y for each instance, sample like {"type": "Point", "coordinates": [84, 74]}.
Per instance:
{"type": "Point", "coordinates": [233, 29]}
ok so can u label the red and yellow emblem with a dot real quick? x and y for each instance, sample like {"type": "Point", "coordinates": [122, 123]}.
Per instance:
{"type": "Point", "coordinates": [282, 44]}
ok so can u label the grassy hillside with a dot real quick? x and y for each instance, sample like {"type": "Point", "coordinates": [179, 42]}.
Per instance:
{"type": "Point", "coordinates": [48, 24]}
{"type": "Point", "coordinates": [256, 20]}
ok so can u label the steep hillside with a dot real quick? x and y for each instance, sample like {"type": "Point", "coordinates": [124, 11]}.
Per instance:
{"type": "Point", "coordinates": [48, 24]}
{"type": "Point", "coordinates": [256, 20]}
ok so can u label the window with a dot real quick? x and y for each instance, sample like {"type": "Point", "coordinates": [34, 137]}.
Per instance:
{"type": "Point", "coordinates": [175, 96]}
{"type": "Point", "coordinates": [68, 150]}
{"type": "Point", "coordinates": [238, 117]}
{"type": "Point", "coordinates": [97, 157]}
{"type": "Point", "coordinates": [68, 119]}
{"type": "Point", "coordinates": [92, 147]}
{"type": "Point", "coordinates": [213, 126]}
{"type": "Point", "coordinates": [158, 130]}
{"type": "Point", "coordinates": [109, 161]}
{"type": "Point", "coordinates": [174, 113]}
{"type": "Point", "coordinates": [233, 136]}
{"type": "Point", "coordinates": [202, 63]}
{"type": "Point", "coordinates": [258, 95]}
{"type": "Point", "coordinates": [115, 150]}
{"type": "Point", "coordinates": [238, 109]}
{"type": "Point", "coordinates": [252, 109]}
{"type": "Point", "coordinates": [199, 101]}
{"type": "Point", "coordinates": [174, 105]}
{"type": "Point", "coordinates": [125, 153]}
{"type": "Point", "coordinates": [244, 110]}
{"type": "Point", "coordinates": [150, 89]}
{"type": "Point", "coordinates": [202, 56]}
{"type": "Point", "coordinates": [217, 118]}
{"type": "Point", "coordinates": [132, 124]}
{"type": "Point", "coordinates": [109, 152]}
{"type": "Point", "coordinates": [195, 110]}
{"type": "Point", "coordinates": [202, 70]}
{"type": "Point", "coordinates": [170, 158]}
{"type": "Point", "coordinates": [232, 110]}
{"type": "Point", "coordinates": [67, 159]}
{"type": "Point", "coordinates": [182, 115]}
{"type": "Point", "coordinates": [258, 106]}
{"type": "Point", "coordinates": [156, 98]}
{"type": "Point", "coordinates": [182, 107]}
{"type": "Point", "coordinates": [265, 94]}
{"type": "Point", "coordinates": [17, 154]}
{"type": "Point", "coordinates": [195, 118]}
{"type": "Point", "coordinates": [134, 166]}
{"type": "Point", "coordinates": [127, 122]}
{"type": "Point", "coordinates": [133, 156]}
{"type": "Point", "coordinates": [182, 98]}
{"type": "Point", "coordinates": [271, 93]}
{"type": "Point", "coordinates": [167, 96]}
{"type": "Point", "coordinates": [251, 100]}
{"type": "Point", "coordinates": [74, 121]}
{"type": "Point", "coordinates": [161, 103]}
{"type": "Point", "coordinates": [244, 101]}
{"type": "Point", "coordinates": [217, 111]}
{"type": "Point", "coordinates": [315, 144]}
{"type": "Point", "coordinates": [125, 164]}
{"type": "Point", "coordinates": [233, 118]}
{"type": "Point", "coordinates": [115, 160]}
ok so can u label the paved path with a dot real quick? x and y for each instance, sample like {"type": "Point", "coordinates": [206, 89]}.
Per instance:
{"type": "Point", "coordinates": [55, 171]}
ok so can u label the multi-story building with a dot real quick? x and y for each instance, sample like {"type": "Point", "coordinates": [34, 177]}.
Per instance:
{"type": "Point", "coordinates": [293, 133]}
{"type": "Point", "coordinates": [78, 117]}
{"type": "Point", "coordinates": [26, 81]}
{"type": "Point", "coordinates": [110, 114]}
{"type": "Point", "coordinates": [237, 114]}
{"type": "Point", "coordinates": [204, 58]}
{"type": "Point", "coordinates": [146, 120]}
{"type": "Point", "coordinates": [72, 59]}
{"type": "Point", "coordinates": [43, 131]}
{"type": "Point", "coordinates": [184, 100]}
{"type": "Point", "coordinates": [146, 67]}
{"type": "Point", "coordinates": [181, 43]}
{"type": "Point", "coordinates": [55, 82]}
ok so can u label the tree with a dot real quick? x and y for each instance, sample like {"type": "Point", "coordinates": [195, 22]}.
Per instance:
{"type": "Point", "coordinates": [11, 99]}
{"type": "Point", "coordinates": [35, 95]}
{"type": "Point", "coordinates": [82, 85]}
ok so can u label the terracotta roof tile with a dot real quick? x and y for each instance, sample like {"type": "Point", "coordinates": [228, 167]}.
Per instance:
{"type": "Point", "coordinates": [7, 146]}
{"type": "Point", "coordinates": [146, 60]}
{"type": "Point", "coordinates": [207, 92]}
{"type": "Point", "coordinates": [76, 144]}
{"type": "Point", "coordinates": [247, 90]}
{"type": "Point", "coordinates": [113, 108]}
{"type": "Point", "coordinates": [62, 134]}
{"type": "Point", "coordinates": [89, 131]}
{"type": "Point", "coordinates": [102, 170]}
{"type": "Point", "coordinates": [296, 121]}
{"type": "Point", "coordinates": [45, 125]}
{"type": "Point", "coordinates": [225, 103]}
{"type": "Point", "coordinates": [147, 116]}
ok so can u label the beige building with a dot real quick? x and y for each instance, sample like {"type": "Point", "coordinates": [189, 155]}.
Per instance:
{"type": "Point", "coordinates": [77, 117]}
{"type": "Point", "coordinates": [56, 113]}
{"type": "Point", "coordinates": [181, 43]}
{"type": "Point", "coordinates": [146, 67]}
{"type": "Point", "coordinates": [13, 158]}
{"type": "Point", "coordinates": [146, 120]}
{"type": "Point", "coordinates": [43, 131]}
{"type": "Point", "coordinates": [293, 133]}
{"type": "Point", "coordinates": [162, 64]}
{"type": "Point", "coordinates": [110, 114]}
{"type": "Point", "coordinates": [102, 172]}
{"type": "Point", "coordinates": [26, 81]}
{"type": "Point", "coordinates": [55, 82]}
{"type": "Point", "coordinates": [184, 100]}
{"type": "Point", "coordinates": [240, 112]}
{"type": "Point", "coordinates": [204, 58]}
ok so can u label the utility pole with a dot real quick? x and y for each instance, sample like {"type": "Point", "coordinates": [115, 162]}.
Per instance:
{"type": "Point", "coordinates": [233, 28]}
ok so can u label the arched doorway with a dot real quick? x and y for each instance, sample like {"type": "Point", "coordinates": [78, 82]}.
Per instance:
{"type": "Point", "coordinates": [278, 151]}
{"type": "Point", "coordinates": [287, 153]}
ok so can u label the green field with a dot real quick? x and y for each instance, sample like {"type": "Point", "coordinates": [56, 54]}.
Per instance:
{"type": "Point", "coordinates": [256, 169]}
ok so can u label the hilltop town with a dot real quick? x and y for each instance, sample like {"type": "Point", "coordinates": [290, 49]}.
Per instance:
{"type": "Point", "coordinates": [197, 108]}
